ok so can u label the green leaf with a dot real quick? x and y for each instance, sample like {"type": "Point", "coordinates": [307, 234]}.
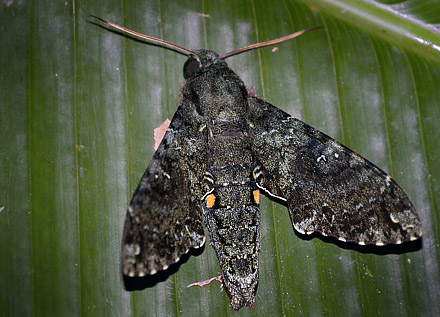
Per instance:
{"type": "Point", "coordinates": [79, 103]}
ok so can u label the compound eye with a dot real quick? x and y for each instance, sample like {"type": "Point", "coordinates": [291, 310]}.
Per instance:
{"type": "Point", "coordinates": [191, 66]}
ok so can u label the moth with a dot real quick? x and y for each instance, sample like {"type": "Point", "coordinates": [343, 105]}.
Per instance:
{"type": "Point", "coordinates": [223, 147]}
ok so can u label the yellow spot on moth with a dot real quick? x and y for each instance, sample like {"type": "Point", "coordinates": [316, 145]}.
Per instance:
{"type": "Point", "coordinates": [210, 200]}
{"type": "Point", "coordinates": [256, 196]}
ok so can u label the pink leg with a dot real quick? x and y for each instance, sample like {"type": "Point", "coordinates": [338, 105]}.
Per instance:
{"type": "Point", "coordinates": [203, 283]}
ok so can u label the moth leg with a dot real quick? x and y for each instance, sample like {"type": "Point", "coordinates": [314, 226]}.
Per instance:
{"type": "Point", "coordinates": [208, 281]}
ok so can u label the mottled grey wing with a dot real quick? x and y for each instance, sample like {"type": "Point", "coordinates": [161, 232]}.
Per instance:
{"type": "Point", "coordinates": [164, 220]}
{"type": "Point", "coordinates": [328, 188]}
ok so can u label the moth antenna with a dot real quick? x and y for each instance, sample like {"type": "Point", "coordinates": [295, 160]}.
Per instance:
{"type": "Point", "coordinates": [267, 43]}
{"type": "Point", "coordinates": [147, 37]}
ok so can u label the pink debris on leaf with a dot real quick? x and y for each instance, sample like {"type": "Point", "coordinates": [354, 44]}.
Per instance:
{"type": "Point", "coordinates": [159, 133]}
{"type": "Point", "coordinates": [204, 15]}
{"type": "Point", "coordinates": [252, 91]}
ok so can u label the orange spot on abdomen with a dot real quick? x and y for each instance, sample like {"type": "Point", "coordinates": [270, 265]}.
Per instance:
{"type": "Point", "coordinates": [256, 194]}
{"type": "Point", "coordinates": [210, 200]}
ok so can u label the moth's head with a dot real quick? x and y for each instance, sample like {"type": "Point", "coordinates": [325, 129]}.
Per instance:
{"type": "Point", "coordinates": [200, 61]}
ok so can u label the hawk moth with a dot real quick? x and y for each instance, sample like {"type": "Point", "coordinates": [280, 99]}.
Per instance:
{"type": "Point", "coordinates": [223, 147]}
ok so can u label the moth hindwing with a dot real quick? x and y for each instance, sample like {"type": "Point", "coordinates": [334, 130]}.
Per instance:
{"type": "Point", "coordinates": [222, 147]}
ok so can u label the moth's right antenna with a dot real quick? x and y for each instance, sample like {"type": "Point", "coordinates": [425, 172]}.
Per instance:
{"type": "Point", "coordinates": [267, 43]}
{"type": "Point", "coordinates": [147, 37]}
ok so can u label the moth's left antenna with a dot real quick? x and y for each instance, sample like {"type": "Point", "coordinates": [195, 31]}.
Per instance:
{"type": "Point", "coordinates": [147, 37]}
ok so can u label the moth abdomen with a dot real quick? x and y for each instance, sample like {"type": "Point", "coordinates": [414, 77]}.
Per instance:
{"type": "Point", "coordinates": [235, 235]}
{"type": "Point", "coordinates": [232, 216]}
